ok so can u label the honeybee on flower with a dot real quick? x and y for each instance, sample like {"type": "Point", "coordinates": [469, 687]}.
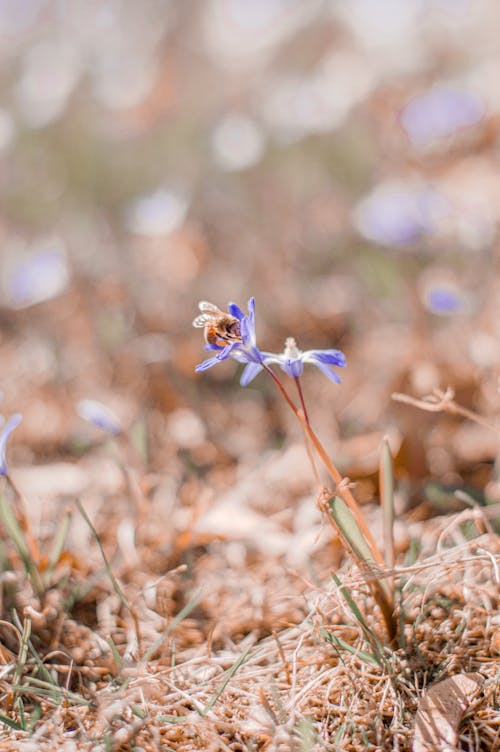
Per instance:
{"type": "Point", "coordinates": [231, 334]}
{"type": "Point", "coordinates": [219, 326]}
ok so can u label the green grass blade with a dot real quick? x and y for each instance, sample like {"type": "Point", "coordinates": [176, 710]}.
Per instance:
{"type": "Point", "coordinates": [229, 674]}
{"type": "Point", "coordinates": [16, 535]}
{"type": "Point", "coordinates": [23, 652]}
{"type": "Point", "coordinates": [22, 716]}
{"type": "Point", "coordinates": [386, 482]}
{"type": "Point", "coordinates": [341, 644]}
{"type": "Point", "coordinates": [54, 694]}
{"type": "Point", "coordinates": [370, 636]}
{"type": "Point", "coordinates": [42, 669]}
{"type": "Point", "coordinates": [139, 439]}
{"type": "Point", "coordinates": [10, 723]}
{"type": "Point", "coordinates": [116, 586]}
{"type": "Point", "coordinates": [116, 655]}
{"type": "Point", "coordinates": [58, 544]}
{"type": "Point", "coordinates": [180, 616]}
{"type": "Point", "coordinates": [13, 529]}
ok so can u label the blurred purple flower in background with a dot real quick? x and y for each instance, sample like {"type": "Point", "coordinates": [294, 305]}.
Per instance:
{"type": "Point", "coordinates": [443, 299]}
{"type": "Point", "coordinates": [292, 360]}
{"type": "Point", "coordinates": [157, 214]}
{"type": "Point", "coordinates": [6, 431]}
{"type": "Point", "coordinates": [398, 214]}
{"type": "Point", "coordinates": [17, 17]}
{"type": "Point", "coordinates": [100, 416]}
{"type": "Point", "coordinates": [36, 278]}
{"type": "Point", "coordinates": [440, 112]}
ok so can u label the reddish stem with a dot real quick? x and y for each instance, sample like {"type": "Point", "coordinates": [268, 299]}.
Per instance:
{"type": "Point", "coordinates": [344, 490]}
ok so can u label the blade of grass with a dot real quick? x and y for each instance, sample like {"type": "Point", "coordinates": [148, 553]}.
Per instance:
{"type": "Point", "coordinates": [58, 544]}
{"type": "Point", "coordinates": [370, 636]}
{"type": "Point", "coordinates": [57, 694]}
{"type": "Point", "coordinates": [229, 674]}
{"type": "Point", "coordinates": [355, 542]}
{"type": "Point", "coordinates": [10, 723]}
{"type": "Point", "coordinates": [35, 716]}
{"type": "Point", "coordinates": [139, 439]}
{"type": "Point", "coordinates": [16, 535]}
{"type": "Point", "coordinates": [180, 616]}
{"type": "Point", "coordinates": [341, 644]}
{"type": "Point", "coordinates": [39, 663]}
{"type": "Point", "coordinates": [114, 652]}
{"type": "Point", "coordinates": [22, 717]}
{"type": "Point", "coordinates": [171, 718]}
{"type": "Point", "coordinates": [23, 521]}
{"type": "Point", "coordinates": [114, 582]}
{"type": "Point", "coordinates": [23, 652]}
{"type": "Point", "coordinates": [386, 482]}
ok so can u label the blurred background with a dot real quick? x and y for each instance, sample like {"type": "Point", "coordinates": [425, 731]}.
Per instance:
{"type": "Point", "coordinates": [338, 160]}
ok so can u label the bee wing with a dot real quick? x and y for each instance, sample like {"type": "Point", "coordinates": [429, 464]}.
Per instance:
{"type": "Point", "coordinates": [202, 320]}
{"type": "Point", "coordinates": [204, 305]}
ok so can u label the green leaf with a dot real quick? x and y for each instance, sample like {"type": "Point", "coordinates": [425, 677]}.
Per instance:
{"type": "Point", "coordinates": [350, 531]}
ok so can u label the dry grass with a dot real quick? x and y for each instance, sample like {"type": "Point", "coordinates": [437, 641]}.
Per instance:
{"type": "Point", "coordinates": [207, 644]}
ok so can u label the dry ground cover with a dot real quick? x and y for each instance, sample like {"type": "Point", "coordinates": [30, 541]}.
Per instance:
{"type": "Point", "coordinates": [171, 587]}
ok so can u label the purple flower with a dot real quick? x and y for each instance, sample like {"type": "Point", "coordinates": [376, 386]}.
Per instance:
{"type": "Point", "coordinates": [4, 435]}
{"type": "Point", "coordinates": [39, 277]}
{"type": "Point", "coordinates": [398, 214]}
{"type": "Point", "coordinates": [100, 416]}
{"type": "Point", "coordinates": [443, 300]}
{"type": "Point", "coordinates": [440, 112]}
{"type": "Point", "coordinates": [244, 350]}
{"type": "Point", "coordinates": [292, 360]}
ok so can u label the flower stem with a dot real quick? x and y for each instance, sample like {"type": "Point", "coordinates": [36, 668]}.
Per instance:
{"type": "Point", "coordinates": [302, 401]}
{"type": "Point", "coordinates": [306, 436]}
{"type": "Point", "coordinates": [342, 488]}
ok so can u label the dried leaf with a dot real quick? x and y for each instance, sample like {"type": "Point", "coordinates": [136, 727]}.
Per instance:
{"type": "Point", "coordinates": [441, 710]}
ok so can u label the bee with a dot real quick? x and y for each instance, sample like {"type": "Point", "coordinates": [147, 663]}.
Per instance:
{"type": "Point", "coordinates": [221, 327]}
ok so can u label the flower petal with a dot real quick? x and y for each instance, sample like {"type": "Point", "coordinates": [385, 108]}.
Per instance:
{"type": "Point", "coordinates": [227, 350]}
{"type": "Point", "coordinates": [235, 310]}
{"type": "Point", "coordinates": [292, 366]}
{"type": "Point", "coordinates": [327, 371]}
{"type": "Point", "coordinates": [208, 347]}
{"type": "Point", "coordinates": [246, 332]}
{"type": "Point", "coordinates": [248, 325]}
{"type": "Point", "coordinates": [4, 435]}
{"type": "Point", "coordinates": [333, 357]}
{"type": "Point", "coordinates": [208, 363]}
{"type": "Point", "coordinates": [250, 372]}
{"type": "Point", "coordinates": [99, 415]}
{"type": "Point", "coordinates": [269, 357]}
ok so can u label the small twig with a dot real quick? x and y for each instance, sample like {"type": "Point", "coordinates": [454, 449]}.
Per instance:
{"type": "Point", "coordinates": [440, 401]}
